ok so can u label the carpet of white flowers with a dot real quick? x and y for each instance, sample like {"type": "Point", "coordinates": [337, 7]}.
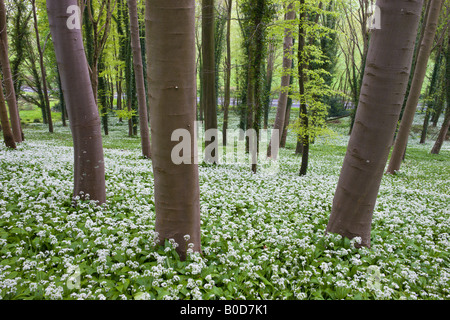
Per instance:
{"type": "Point", "coordinates": [263, 235]}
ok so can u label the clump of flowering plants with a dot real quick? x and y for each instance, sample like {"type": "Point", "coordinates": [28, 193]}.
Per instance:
{"type": "Point", "coordinates": [263, 236]}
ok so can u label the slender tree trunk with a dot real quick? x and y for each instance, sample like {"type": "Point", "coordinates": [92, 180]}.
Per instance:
{"type": "Point", "coordinates": [416, 86]}
{"type": "Point", "coordinates": [430, 105]}
{"type": "Point", "coordinates": [43, 73]}
{"type": "Point", "coordinates": [7, 77]}
{"type": "Point", "coordinates": [89, 167]}
{"type": "Point", "coordinates": [8, 137]}
{"type": "Point", "coordinates": [272, 151]}
{"type": "Point", "coordinates": [209, 78]}
{"type": "Point", "coordinates": [445, 125]}
{"type": "Point", "coordinates": [102, 100]}
{"type": "Point", "coordinates": [171, 56]}
{"type": "Point", "coordinates": [139, 76]}
{"type": "Point", "coordinates": [268, 82]}
{"type": "Point", "coordinates": [442, 132]}
{"type": "Point", "coordinates": [226, 103]}
{"type": "Point", "coordinates": [288, 111]}
{"type": "Point", "coordinates": [304, 138]}
{"type": "Point", "coordinates": [61, 101]}
{"type": "Point", "coordinates": [382, 93]}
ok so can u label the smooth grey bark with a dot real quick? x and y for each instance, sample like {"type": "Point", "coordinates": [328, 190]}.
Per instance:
{"type": "Point", "coordinates": [172, 89]}
{"type": "Point", "coordinates": [89, 166]}
{"type": "Point", "coordinates": [401, 140]}
{"type": "Point", "coordinates": [383, 89]}
{"type": "Point", "coordinates": [7, 77]}
{"type": "Point", "coordinates": [139, 78]}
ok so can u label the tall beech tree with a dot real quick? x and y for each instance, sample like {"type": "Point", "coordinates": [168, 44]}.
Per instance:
{"type": "Point", "coordinates": [89, 168]}
{"type": "Point", "coordinates": [416, 87]}
{"type": "Point", "coordinates": [172, 91]}
{"type": "Point", "coordinates": [383, 88]}
{"type": "Point", "coordinates": [208, 78]}
{"type": "Point", "coordinates": [8, 78]}
{"type": "Point", "coordinates": [139, 78]}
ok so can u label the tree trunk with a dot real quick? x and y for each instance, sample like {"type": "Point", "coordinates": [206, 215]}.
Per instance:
{"type": "Point", "coordinates": [445, 125]}
{"type": "Point", "coordinates": [209, 79]}
{"type": "Point", "coordinates": [226, 103]}
{"type": "Point", "coordinates": [288, 110]}
{"type": "Point", "coordinates": [171, 56]}
{"type": "Point", "coordinates": [304, 138]}
{"type": "Point", "coordinates": [89, 167]}
{"type": "Point", "coordinates": [431, 101]}
{"type": "Point", "coordinates": [8, 137]}
{"type": "Point", "coordinates": [268, 82]}
{"type": "Point", "coordinates": [61, 101]}
{"type": "Point", "coordinates": [102, 100]}
{"type": "Point", "coordinates": [139, 76]}
{"type": "Point", "coordinates": [272, 151]}
{"type": "Point", "coordinates": [382, 93]}
{"type": "Point", "coordinates": [43, 73]}
{"type": "Point", "coordinates": [442, 132]}
{"type": "Point", "coordinates": [7, 77]}
{"type": "Point", "coordinates": [416, 86]}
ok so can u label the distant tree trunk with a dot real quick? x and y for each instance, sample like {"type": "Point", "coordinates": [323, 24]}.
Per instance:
{"type": "Point", "coordinates": [102, 99]}
{"type": "Point", "coordinates": [43, 73]}
{"type": "Point", "coordinates": [226, 103]}
{"type": "Point", "coordinates": [445, 125]}
{"type": "Point", "coordinates": [431, 101]}
{"type": "Point", "coordinates": [416, 86]}
{"type": "Point", "coordinates": [62, 103]}
{"type": "Point", "coordinates": [171, 56]}
{"type": "Point", "coordinates": [139, 78]}
{"type": "Point", "coordinates": [255, 57]}
{"type": "Point", "coordinates": [7, 77]}
{"type": "Point", "coordinates": [100, 27]}
{"type": "Point", "coordinates": [209, 79]}
{"type": "Point", "coordinates": [278, 127]}
{"type": "Point", "coordinates": [267, 103]}
{"type": "Point", "coordinates": [89, 166]}
{"type": "Point", "coordinates": [8, 137]}
{"type": "Point", "coordinates": [304, 138]}
{"type": "Point", "coordinates": [382, 93]}
{"type": "Point", "coordinates": [288, 111]}
{"type": "Point", "coordinates": [442, 132]}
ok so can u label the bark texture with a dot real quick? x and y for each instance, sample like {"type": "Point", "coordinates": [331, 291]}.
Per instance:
{"type": "Point", "coordinates": [7, 77]}
{"type": "Point", "coordinates": [89, 169]}
{"type": "Point", "coordinates": [416, 86]}
{"type": "Point", "coordinates": [171, 58]}
{"type": "Point", "coordinates": [284, 90]}
{"type": "Point", "coordinates": [139, 78]}
{"type": "Point", "coordinates": [209, 78]}
{"type": "Point", "coordinates": [385, 79]}
{"type": "Point", "coordinates": [226, 102]}
{"type": "Point", "coordinates": [6, 128]}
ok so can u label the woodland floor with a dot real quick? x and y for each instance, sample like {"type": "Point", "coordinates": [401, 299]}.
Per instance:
{"type": "Point", "coordinates": [262, 235]}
